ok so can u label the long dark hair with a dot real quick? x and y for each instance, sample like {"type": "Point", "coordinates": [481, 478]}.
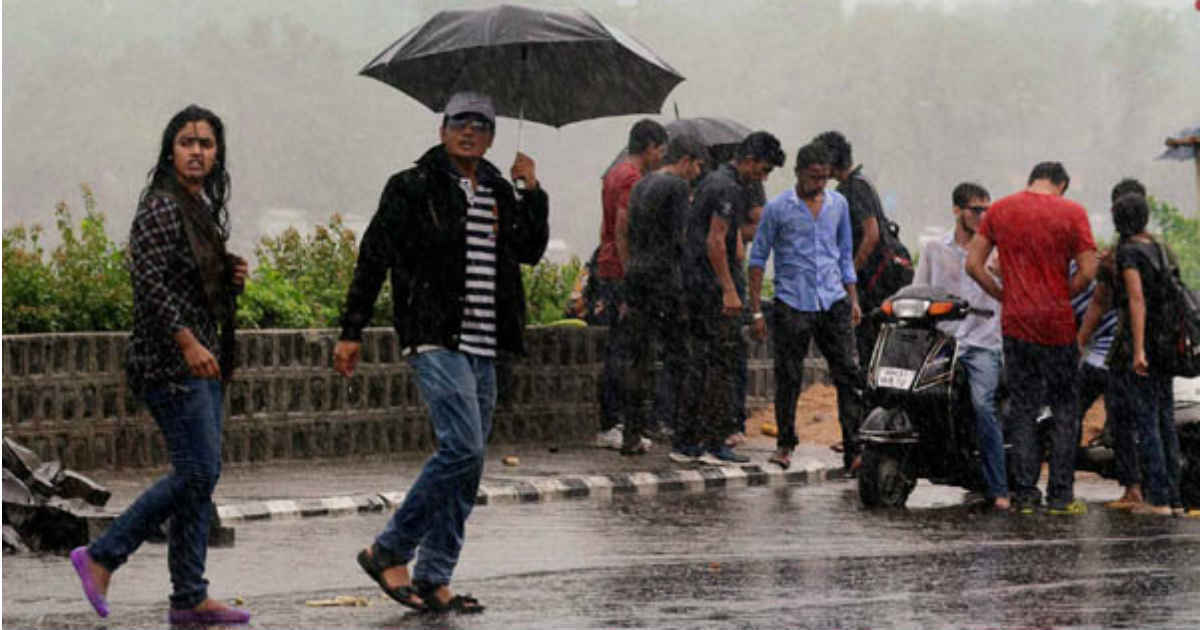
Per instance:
{"type": "Point", "coordinates": [216, 183]}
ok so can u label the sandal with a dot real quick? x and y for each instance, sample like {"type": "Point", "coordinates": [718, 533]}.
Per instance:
{"type": "Point", "coordinates": [782, 457]}
{"type": "Point", "coordinates": [402, 594]}
{"type": "Point", "coordinates": [837, 447]}
{"type": "Point", "coordinates": [462, 604]}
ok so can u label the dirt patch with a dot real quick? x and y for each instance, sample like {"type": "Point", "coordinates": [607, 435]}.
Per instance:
{"type": "Point", "coordinates": [816, 418]}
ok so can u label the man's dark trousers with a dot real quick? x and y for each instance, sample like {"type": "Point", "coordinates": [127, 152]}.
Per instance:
{"type": "Point", "coordinates": [1038, 373]}
{"type": "Point", "coordinates": [652, 327]}
{"type": "Point", "coordinates": [834, 335]}
{"type": "Point", "coordinates": [705, 403]}
{"type": "Point", "coordinates": [611, 413]}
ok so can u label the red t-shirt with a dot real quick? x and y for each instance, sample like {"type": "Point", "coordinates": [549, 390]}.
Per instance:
{"type": "Point", "coordinates": [1038, 235]}
{"type": "Point", "coordinates": [618, 183]}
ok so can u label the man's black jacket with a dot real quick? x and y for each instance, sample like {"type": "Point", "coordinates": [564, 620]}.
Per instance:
{"type": "Point", "coordinates": [419, 234]}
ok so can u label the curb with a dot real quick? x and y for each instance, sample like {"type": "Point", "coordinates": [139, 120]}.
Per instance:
{"type": "Point", "coordinates": [550, 489]}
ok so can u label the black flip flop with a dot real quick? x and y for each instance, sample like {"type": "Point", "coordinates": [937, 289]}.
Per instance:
{"type": "Point", "coordinates": [461, 604]}
{"type": "Point", "coordinates": [402, 594]}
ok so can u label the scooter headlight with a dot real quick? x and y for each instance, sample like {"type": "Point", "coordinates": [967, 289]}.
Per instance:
{"type": "Point", "coordinates": [907, 308]}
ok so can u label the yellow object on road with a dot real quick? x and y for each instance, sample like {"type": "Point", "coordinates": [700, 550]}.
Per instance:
{"type": "Point", "coordinates": [340, 600]}
{"type": "Point", "coordinates": [511, 460]}
{"type": "Point", "coordinates": [569, 323]}
{"type": "Point", "coordinates": [769, 429]}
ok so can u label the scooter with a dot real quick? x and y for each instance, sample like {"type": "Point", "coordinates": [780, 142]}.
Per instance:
{"type": "Point", "coordinates": [922, 424]}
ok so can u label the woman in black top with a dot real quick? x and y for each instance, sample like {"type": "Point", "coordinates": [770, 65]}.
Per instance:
{"type": "Point", "coordinates": [1135, 360]}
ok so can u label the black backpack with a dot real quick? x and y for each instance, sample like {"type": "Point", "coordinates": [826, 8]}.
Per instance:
{"type": "Point", "coordinates": [1178, 342]}
{"type": "Point", "coordinates": [889, 268]}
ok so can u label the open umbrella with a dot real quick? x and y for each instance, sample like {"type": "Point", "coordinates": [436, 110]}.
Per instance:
{"type": "Point", "coordinates": [552, 67]}
{"type": "Point", "coordinates": [721, 135]}
{"type": "Point", "coordinates": [1185, 146]}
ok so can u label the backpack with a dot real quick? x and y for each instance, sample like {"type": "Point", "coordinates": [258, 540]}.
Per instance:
{"type": "Point", "coordinates": [889, 268]}
{"type": "Point", "coordinates": [1178, 342]}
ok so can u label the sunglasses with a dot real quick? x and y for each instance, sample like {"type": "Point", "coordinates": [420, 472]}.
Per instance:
{"type": "Point", "coordinates": [458, 123]}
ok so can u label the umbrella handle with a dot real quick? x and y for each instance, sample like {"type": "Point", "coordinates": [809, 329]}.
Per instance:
{"type": "Point", "coordinates": [520, 184]}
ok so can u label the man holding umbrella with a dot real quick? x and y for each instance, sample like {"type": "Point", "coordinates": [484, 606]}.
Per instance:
{"type": "Point", "coordinates": [452, 232]}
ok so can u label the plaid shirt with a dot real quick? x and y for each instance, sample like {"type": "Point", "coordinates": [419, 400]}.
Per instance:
{"type": "Point", "coordinates": [167, 296]}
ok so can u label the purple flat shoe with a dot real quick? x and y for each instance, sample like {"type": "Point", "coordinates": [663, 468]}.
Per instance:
{"type": "Point", "coordinates": [81, 560]}
{"type": "Point", "coordinates": [208, 617]}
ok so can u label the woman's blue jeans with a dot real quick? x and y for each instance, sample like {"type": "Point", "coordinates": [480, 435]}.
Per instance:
{"type": "Point", "coordinates": [1150, 401]}
{"type": "Point", "coordinates": [189, 415]}
{"type": "Point", "coordinates": [460, 390]}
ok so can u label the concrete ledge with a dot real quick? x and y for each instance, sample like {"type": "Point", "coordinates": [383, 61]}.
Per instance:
{"type": "Point", "coordinates": [541, 490]}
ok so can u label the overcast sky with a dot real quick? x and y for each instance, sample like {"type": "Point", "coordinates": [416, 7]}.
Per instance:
{"type": "Point", "coordinates": [89, 85]}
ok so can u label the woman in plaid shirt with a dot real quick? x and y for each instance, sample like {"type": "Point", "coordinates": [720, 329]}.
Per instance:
{"type": "Point", "coordinates": [180, 354]}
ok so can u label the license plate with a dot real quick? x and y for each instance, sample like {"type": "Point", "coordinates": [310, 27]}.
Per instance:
{"type": "Point", "coordinates": [897, 378]}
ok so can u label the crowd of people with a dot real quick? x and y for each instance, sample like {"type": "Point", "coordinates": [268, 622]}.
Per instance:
{"type": "Point", "coordinates": [685, 239]}
{"type": "Point", "coordinates": [679, 274]}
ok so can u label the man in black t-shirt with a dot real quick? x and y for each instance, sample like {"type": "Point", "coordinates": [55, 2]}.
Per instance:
{"type": "Point", "coordinates": [652, 317]}
{"type": "Point", "coordinates": [714, 307]}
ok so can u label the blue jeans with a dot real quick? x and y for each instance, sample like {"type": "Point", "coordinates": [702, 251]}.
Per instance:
{"type": "Point", "coordinates": [460, 390]}
{"type": "Point", "coordinates": [190, 418]}
{"type": "Point", "coordinates": [983, 368]}
{"type": "Point", "coordinates": [1150, 401]}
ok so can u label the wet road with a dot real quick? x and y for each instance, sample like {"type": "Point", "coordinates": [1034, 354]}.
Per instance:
{"type": "Point", "coordinates": [790, 557]}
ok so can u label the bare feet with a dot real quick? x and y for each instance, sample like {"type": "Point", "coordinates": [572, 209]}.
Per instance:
{"type": "Point", "coordinates": [395, 580]}
{"type": "Point", "coordinates": [1001, 503]}
{"type": "Point", "coordinates": [1128, 501]}
{"type": "Point", "coordinates": [396, 576]}
{"type": "Point", "coordinates": [208, 612]}
{"type": "Point", "coordinates": [440, 599]}
{"type": "Point", "coordinates": [212, 605]}
{"type": "Point", "coordinates": [100, 576]}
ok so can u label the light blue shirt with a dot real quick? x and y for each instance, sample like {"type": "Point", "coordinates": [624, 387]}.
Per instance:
{"type": "Point", "coordinates": [814, 256]}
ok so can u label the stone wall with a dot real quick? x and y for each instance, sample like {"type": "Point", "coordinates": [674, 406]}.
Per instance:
{"type": "Point", "coordinates": [65, 397]}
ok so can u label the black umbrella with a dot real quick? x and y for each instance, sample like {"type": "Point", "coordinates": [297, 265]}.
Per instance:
{"type": "Point", "coordinates": [552, 67]}
{"type": "Point", "coordinates": [721, 135]}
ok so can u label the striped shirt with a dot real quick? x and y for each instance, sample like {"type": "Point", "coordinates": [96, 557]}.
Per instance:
{"type": "Point", "coordinates": [478, 335]}
{"type": "Point", "coordinates": [1102, 337]}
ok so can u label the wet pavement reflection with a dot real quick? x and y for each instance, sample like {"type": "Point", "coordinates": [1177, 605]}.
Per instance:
{"type": "Point", "coordinates": [791, 557]}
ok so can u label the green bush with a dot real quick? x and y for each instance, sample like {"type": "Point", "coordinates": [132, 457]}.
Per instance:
{"type": "Point", "coordinates": [83, 286]}
{"type": "Point", "coordinates": [301, 281]}
{"type": "Point", "coordinates": [547, 287]}
{"type": "Point", "coordinates": [1183, 235]}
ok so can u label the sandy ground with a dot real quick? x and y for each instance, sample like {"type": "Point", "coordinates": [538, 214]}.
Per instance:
{"type": "Point", "coordinates": [816, 418]}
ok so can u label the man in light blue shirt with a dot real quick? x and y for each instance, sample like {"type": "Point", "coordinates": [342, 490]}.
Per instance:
{"type": "Point", "coordinates": [808, 229]}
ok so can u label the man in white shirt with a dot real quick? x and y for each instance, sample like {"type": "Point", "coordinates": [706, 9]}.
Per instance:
{"type": "Point", "coordinates": [980, 344]}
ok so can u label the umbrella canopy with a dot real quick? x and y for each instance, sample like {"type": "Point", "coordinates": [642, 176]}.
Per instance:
{"type": "Point", "coordinates": [552, 67]}
{"type": "Point", "coordinates": [721, 135]}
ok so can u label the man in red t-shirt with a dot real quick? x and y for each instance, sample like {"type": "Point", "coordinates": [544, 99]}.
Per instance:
{"type": "Point", "coordinates": [647, 146]}
{"type": "Point", "coordinates": [1038, 233]}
